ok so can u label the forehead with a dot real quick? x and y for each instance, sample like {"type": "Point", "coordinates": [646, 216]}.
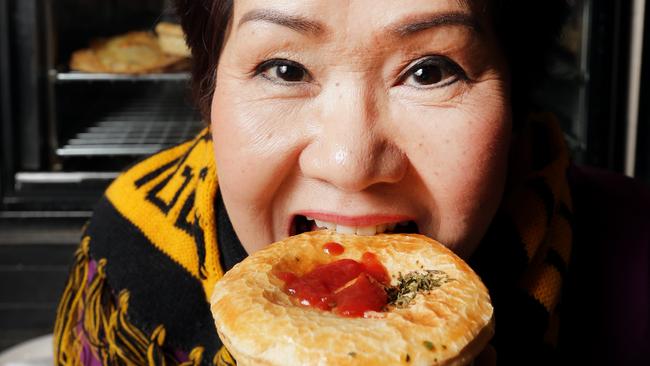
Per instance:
{"type": "Point", "coordinates": [326, 17]}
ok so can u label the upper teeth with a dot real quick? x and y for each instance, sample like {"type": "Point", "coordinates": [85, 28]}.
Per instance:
{"type": "Point", "coordinates": [359, 230]}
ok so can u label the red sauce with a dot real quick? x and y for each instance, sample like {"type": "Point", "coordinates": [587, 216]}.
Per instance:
{"type": "Point", "coordinates": [374, 268]}
{"type": "Point", "coordinates": [346, 287]}
{"type": "Point", "coordinates": [333, 248]}
{"type": "Point", "coordinates": [363, 295]}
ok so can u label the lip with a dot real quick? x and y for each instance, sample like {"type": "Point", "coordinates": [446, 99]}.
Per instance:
{"type": "Point", "coordinates": [361, 220]}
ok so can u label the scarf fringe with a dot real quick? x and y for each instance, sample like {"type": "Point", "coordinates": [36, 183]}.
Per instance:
{"type": "Point", "coordinates": [67, 345]}
{"type": "Point", "coordinates": [87, 314]}
{"type": "Point", "coordinates": [98, 307]}
{"type": "Point", "coordinates": [196, 356]}
{"type": "Point", "coordinates": [224, 358]}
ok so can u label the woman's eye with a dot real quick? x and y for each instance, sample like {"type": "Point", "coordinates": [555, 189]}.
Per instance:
{"type": "Point", "coordinates": [433, 71]}
{"type": "Point", "coordinates": [283, 71]}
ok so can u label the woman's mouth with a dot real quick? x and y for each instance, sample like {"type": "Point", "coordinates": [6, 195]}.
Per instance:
{"type": "Point", "coordinates": [302, 224]}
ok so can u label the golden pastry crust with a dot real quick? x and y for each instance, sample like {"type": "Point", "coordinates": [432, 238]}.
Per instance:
{"type": "Point", "coordinates": [171, 29]}
{"type": "Point", "coordinates": [261, 325]}
{"type": "Point", "coordinates": [131, 53]}
{"type": "Point", "coordinates": [172, 39]}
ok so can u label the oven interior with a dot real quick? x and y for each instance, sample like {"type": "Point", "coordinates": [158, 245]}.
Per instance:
{"type": "Point", "coordinates": [92, 125]}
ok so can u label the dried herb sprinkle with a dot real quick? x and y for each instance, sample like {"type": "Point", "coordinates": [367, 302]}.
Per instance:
{"type": "Point", "coordinates": [428, 345]}
{"type": "Point", "coordinates": [409, 285]}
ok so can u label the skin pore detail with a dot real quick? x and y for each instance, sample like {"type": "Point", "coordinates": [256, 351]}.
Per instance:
{"type": "Point", "coordinates": [355, 110]}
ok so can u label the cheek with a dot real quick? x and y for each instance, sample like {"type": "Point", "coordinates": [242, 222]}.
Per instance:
{"type": "Point", "coordinates": [460, 155]}
{"type": "Point", "coordinates": [477, 166]}
{"type": "Point", "coordinates": [255, 151]}
{"type": "Point", "coordinates": [251, 146]}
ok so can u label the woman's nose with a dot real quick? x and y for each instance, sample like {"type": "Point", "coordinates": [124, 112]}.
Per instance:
{"type": "Point", "coordinates": [351, 149]}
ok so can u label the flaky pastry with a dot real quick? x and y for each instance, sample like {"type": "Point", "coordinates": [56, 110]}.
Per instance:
{"type": "Point", "coordinates": [261, 324]}
{"type": "Point", "coordinates": [130, 53]}
{"type": "Point", "coordinates": [172, 39]}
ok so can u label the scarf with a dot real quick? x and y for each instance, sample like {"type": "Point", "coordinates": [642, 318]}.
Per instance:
{"type": "Point", "coordinates": [138, 291]}
{"type": "Point", "coordinates": [524, 256]}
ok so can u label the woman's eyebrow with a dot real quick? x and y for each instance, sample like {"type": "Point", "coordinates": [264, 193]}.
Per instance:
{"type": "Point", "coordinates": [400, 29]}
{"type": "Point", "coordinates": [420, 23]}
{"type": "Point", "coordinates": [297, 23]}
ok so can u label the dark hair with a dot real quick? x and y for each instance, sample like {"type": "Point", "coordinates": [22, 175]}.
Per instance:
{"type": "Point", "coordinates": [526, 31]}
{"type": "Point", "coordinates": [205, 23]}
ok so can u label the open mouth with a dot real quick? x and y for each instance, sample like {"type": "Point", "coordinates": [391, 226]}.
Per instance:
{"type": "Point", "coordinates": [302, 224]}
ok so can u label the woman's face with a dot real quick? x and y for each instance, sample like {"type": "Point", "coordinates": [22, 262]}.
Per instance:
{"type": "Point", "coordinates": [361, 114]}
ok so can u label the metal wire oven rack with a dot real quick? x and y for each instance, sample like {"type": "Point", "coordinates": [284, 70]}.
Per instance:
{"type": "Point", "coordinates": [136, 126]}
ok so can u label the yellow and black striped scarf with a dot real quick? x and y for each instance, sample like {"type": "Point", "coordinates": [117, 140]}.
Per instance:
{"type": "Point", "coordinates": [160, 239]}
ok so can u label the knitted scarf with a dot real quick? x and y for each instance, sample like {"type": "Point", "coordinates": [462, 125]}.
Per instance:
{"type": "Point", "coordinates": [160, 238]}
{"type": "Point", "coordinates": [524, 256]}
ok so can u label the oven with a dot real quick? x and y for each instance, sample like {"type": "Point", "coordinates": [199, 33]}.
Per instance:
{"type": "Point", "coordinates": [67, 134]}
{"type": "Point", "coordinates": [64, 135]}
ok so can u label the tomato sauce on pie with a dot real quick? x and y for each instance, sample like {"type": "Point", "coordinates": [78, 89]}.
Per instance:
{"type": "Point", "coordinates": [346, 287]}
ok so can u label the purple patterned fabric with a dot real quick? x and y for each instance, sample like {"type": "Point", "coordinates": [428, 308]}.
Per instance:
{"type": "Point", "coordinates": [87, 356]}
